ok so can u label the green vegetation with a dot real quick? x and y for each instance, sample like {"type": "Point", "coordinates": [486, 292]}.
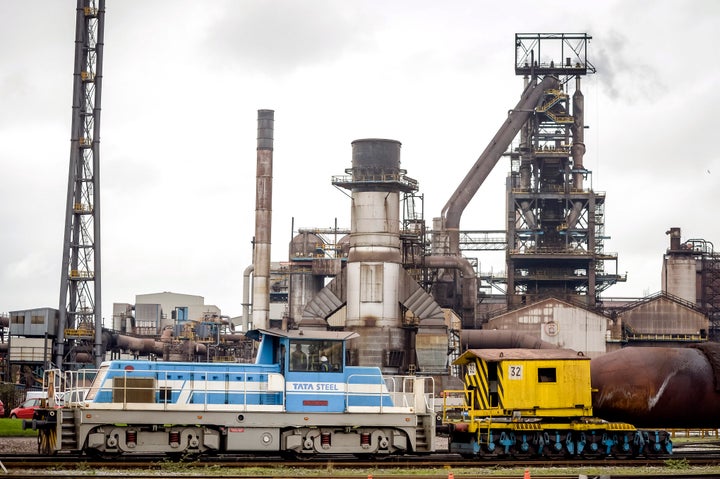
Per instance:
{"type": "Point", "coordinates": [13, 428]}
{"type": "Point", "coordinates": [677, 464]}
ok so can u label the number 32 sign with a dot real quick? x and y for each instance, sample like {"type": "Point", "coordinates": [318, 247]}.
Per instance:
{"type": "Point", "coordinates": [515, 371]}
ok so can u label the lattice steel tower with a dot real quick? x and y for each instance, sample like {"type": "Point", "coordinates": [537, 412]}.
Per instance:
{"type": "Point", "coordinates": [80, 319]}
{"type": "Point", "coordinates": [556, 221]}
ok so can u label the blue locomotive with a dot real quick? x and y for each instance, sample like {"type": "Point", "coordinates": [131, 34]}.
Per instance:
{"type": "Point", "coordinates": [299, 398]}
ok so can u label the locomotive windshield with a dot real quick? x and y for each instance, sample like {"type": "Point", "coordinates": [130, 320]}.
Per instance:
{"type": "Point", "coordinates": [316, 355]}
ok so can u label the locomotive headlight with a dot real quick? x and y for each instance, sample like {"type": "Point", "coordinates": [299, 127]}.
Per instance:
{"type": "Point", "coordinates": [266, 439]}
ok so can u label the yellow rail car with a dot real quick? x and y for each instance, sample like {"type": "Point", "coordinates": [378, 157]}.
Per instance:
{"type": "Point", "coordinates": [526, 402]}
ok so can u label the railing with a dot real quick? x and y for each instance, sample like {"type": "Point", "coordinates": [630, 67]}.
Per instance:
{"type": "Point", "coordinates": [665, 337]}
{"type": "Point", "coordinates": [246, 390]}
{"type": "Point", "coordinates": [205, 390]}
{"type": "Point", "coordinates": [68, 388]}
{"type": "Point", "coordinates": [365, 391]}
{"type": "Point", "coordinates": [455, 407]}
{"type": "Point", "coordinates": [381, 177]}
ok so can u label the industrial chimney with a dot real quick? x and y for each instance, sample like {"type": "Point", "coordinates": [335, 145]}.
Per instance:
{"type": "Point", "coordinates": [263, 220]}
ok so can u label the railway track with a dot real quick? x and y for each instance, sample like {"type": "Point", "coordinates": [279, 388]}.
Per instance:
{"type": "Point", "coordinates": [695, 458]}
{"type": "Point", "coordinates": [346, 463]}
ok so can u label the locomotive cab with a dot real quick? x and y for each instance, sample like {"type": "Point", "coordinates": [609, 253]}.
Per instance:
{"type": "Point", "coordinates": [527, 382]}
{"type": "Point", "coordinates": [313, 365]}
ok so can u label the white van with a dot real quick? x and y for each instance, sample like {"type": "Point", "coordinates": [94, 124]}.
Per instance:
{"type": "Point", "coordinates": [73, 397]}
{"type": "Point", "coordinates": [36, 395]}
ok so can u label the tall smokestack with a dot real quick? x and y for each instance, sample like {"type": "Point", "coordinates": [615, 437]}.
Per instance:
{"type": "Point", "coordinates": [263, 219]}
{"type": "Point", "coordinates": [373, 265]}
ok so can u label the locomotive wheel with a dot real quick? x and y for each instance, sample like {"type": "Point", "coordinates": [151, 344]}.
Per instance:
{"type": "Point", "coordinates": [518, 453]}
{"type": "Point", "coordinates": [552, 453]}
{"type": "Point", "coordinates": [183, 456]}
{"type": "Point", "coordinates": [369, 456]}
{"type": "Point", "coordinates": [104, 455]}
{"type": "Point", "coordinates": [297, 456]}
{"type": "Point", "coordinates": [618, 453]}
{"type": "Point", "coordinates": [590, 454]}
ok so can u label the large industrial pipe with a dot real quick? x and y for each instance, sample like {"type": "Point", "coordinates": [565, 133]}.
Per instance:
{"type": "Point", "coordinates": [517, 117]}
{"type": "Point", "coordinates": [526, 169]}
{"type": "Point", "coordinates": [501, 339]}
{"type": "Point", "coordinates": [263, 219]}
{"type": "Point", "coordinates": [246, 297]}
{"type": "Point", "coordinates": [577, 150]}
{"type": "Point", "coordinates": [659, 387]}
{"type": "Point", "coordinates": [152, 346]}
{"type": "Point", "coordinates": [578, 135]}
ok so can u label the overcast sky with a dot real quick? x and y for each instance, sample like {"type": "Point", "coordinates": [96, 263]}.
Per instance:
{"type": "Point", "coordinates": [184, 80]}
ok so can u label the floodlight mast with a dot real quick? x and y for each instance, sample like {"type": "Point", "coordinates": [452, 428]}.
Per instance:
{"type": "Point", "coordinates": [80, 317]}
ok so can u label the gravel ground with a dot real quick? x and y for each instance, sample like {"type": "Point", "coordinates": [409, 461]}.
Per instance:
{"type": "Point", "coordinates": [18, 445]}
{"type": "Point", "coordinates": [28, 445]}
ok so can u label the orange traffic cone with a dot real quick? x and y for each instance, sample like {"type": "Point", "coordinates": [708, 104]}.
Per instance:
{"type": "Point", "coordinates": [527, 474]}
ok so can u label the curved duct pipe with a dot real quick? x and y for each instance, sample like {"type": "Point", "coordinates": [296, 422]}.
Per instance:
{"type": "Point", "coordinates": [517, 117]}
{"type": "Point", "coordinates": [166, 334]}
{"type": "Point", "coordinates": [501, 339]}
{"type": "Point", "coordinates": [246, 297]}
{"type": "Point", "coordinates": [469, 282]}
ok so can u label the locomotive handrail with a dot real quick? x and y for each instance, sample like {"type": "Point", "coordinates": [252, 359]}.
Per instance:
{"type": "Point", "coordinates": [455, 412]}
{"type": "Point", "coordinates": [396, 392]}
{"type": "Point", "coordinates": [381, 393]}
{"type": "Point", "coordinates": [167, 392]}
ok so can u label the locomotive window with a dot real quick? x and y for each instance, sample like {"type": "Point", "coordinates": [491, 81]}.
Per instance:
{"type": "Point", "coordinates": [315, 355]}
{"type": "Point", "coordinates": [97, 383]}
{"type": "Point", "coordinates": [164, 395]}
{"type": "Point", "coordinates": [547, 375]}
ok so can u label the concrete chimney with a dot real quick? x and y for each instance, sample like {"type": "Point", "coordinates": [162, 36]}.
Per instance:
{"type": "Point", "coordinates": [263, 220]}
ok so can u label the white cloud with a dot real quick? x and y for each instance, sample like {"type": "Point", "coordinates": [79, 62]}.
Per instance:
{"type": "Point", "coordinates": [184, 79]}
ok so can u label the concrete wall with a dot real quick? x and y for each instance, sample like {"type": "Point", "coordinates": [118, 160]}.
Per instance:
{"type": "Point", "coordinates": [558, 323]}
{"type": "Point", "coordinates": [663, 316]}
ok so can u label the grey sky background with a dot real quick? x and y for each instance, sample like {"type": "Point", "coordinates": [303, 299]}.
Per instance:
{"type": "Point", "coordinates": [183, 81]}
